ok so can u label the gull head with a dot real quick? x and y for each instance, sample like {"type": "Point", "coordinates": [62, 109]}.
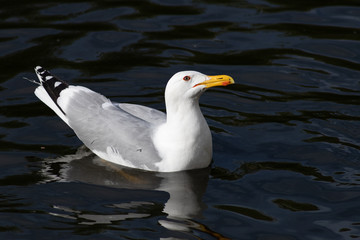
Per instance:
{"type": "Point", "coordinates": [189, 85]}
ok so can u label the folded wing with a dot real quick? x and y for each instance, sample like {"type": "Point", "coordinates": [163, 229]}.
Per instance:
{"type": "Point", "coordinates": [120, 133]}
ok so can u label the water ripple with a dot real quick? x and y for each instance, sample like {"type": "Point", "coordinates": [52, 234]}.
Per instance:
{"type": "Point", "coordinates": [286, 145]}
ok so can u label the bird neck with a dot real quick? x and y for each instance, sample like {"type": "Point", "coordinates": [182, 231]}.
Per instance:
{"type": "Point", "coordinates": [184, 113]}
{"type": "Point", "coordinates": [184, 141]}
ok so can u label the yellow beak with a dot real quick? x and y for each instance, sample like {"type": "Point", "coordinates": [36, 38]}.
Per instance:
{"type": "Point", "coordinates": [218, 80]}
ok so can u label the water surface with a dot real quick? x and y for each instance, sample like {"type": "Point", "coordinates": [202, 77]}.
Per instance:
{"type": "Point", "coordinates": [286, 135]}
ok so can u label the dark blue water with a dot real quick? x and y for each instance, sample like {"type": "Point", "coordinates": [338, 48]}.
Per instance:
{"type": "Point", "coordinates": [286, 159]}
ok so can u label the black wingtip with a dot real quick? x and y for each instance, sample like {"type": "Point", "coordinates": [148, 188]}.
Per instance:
{"type": "Point", "coordinates": [44, 75]}
{"type": "Point", "coordinates": [38, 69]}
{"type": "Point", "coordinates": [46, 78]}
{"type": "Point", "coordinates": [52, 84]}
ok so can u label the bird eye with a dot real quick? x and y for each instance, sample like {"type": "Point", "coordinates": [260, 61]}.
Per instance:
{"type": "Point", "coordinates": [186, 78]}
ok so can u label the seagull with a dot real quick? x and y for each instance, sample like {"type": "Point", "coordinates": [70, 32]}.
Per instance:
{"type": "Point", "coordinates": [133, 135]}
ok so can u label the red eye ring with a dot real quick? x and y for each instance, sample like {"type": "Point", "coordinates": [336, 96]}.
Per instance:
{"type": "Point", "coordinates": [186, 78]}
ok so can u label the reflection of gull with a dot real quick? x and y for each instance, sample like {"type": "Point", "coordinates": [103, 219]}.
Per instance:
{"type": "Point", "coordinates": [95, 218]}
{"type": "Point", "coordinates": [185, 188]}
{"type": "Point", "coordinates": [133, 135]}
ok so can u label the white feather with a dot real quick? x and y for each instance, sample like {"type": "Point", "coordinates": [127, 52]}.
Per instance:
{"type": "Point", "coordinates": [41, 93]}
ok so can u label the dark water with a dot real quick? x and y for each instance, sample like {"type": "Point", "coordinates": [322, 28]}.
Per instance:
{"type": "Point", "coordinates": [286, 137]}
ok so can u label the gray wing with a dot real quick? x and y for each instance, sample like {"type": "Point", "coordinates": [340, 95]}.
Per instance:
{"type": "Point", "coordinates": [111, 130]}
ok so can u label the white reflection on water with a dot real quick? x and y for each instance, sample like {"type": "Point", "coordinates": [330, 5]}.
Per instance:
{"type": "Point", "coordinates": [185, 190]}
